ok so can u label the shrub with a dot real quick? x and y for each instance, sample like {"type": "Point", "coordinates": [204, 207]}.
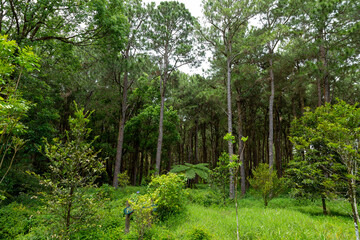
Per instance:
{"type": "Point", "coordinates": [199, 233]}
{"type": "Point", "coordinates": [266, 183]}
{"type": "Point", "coordinates": [168, 193]}
{"type": "Point", "coordinates": [15, 219]}
{"type": "Point", "coordinates": [123, 179]}
{"type": "Point", "coordinates": [142, 206]}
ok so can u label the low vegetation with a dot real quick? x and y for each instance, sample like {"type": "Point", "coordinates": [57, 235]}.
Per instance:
{"type": "Point", "coordinates": [203, 216]}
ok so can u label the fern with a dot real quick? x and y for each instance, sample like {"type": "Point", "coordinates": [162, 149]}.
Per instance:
{"type": "Point", "coordinates": [191, 170]}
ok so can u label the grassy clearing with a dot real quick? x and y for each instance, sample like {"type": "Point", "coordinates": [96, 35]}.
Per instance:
{"type": "Point", "coordinates": [260, 223]}
{"type": "Point", "coordinates": [285, 218]}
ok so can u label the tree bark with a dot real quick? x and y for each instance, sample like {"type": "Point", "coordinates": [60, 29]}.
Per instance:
{"type": "Point", "coordinates": [323, 201]}
{"type": "Point", "coordinates": [230, 144]}
{"type": "Point", "coordinates": [324, 71]}
{"type": "Point", "coordinates": [241, 148]}
{"type": "Point", "coordinates": [319, 92]}
{"type": "Point", "coordinates": [204, 143]}
{"type": "Point", "coordinates": [135, 165]}
{"type": "Point", "coordinates": [196, 142]}
{"type": "Point", "coordinates": [141, 170]}
{"type": "Point", "coordinates": [120, 141]}
{"type": "Point", "coordinates": [163, 81]}
{"type": "Point", "coordinates": [161, 123]}
{"type": "Point", "coordinates": [271, 109]}
{"type": "Point", "coordinates": [170, 159]}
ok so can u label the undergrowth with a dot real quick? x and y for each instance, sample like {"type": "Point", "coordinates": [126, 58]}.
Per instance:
{"type": "Point", "coordinates": [205, 216]}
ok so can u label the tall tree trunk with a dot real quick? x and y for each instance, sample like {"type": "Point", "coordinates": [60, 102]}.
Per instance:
{"type": "Point", "coordinates": [277, 142]}
{"type": "Point", "coordinates": [182, 145]}
{"type": "Point", "coordinates": [271, 110]}
{"type": "Point", "coordinates": [141, 170]}
{"type": "Point", "coordinates": [324, 71]}
{"type": "Point", "coordinates": [163, 81]}
{"type": "Point", "coordinates": [230, 144]}
{"type": "Point", "coordinates": [204, 143]}
{"type": "Point", "coordinates": [319, 92]}
{"type": "Point", "coordinates": [241, 148]}
{"type": "Point", "coordinates": [161, 123]}
{"type": "Point", "coordinates": [169, 162]}
{"type": "Point", "coordinates": [120, 140]}
{"type": "Point", "coordinates": [217, 138]}
{"type": "Point", "coordinates": [135, 164]}
{"type": "Point", "coordinates": [196, 142]}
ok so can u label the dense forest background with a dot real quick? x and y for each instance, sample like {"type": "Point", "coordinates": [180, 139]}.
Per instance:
{"type": "Point", "coordinates": [122, 58]}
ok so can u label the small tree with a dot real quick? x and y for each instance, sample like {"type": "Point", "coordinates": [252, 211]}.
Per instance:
{"type": "Point", "coordinates": [338, 128]}
{"type": "Point", "coordinates": [143, 207]}
{"type": "Point", "coordinates": [14, 62]}
{"type": "Point", "coordinates": [311, 173]}
{"type": "Point", "coordinates": [220, 175]}
{"type": "Point", "coordinates": [266, 183]}
{"type": "Point", "coordinates": [74, 166]}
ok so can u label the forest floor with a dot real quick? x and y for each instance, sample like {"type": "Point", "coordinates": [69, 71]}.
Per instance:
{"type": "Point", "coordinates": [204, 217]}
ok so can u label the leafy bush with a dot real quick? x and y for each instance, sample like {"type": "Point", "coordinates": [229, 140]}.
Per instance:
{"type": "Point", "coordinates": [168, 193]}
{"type": "Point", "coordinates": [199, 233]}
{"type": "Point", "coordinates": [142, 206]}
{"type": "Point", "coordinates": [15, 219]}
{"type": "Point", "coordinates": [123, 179]}
{"type": "Point", "coordinates": [266, 183]}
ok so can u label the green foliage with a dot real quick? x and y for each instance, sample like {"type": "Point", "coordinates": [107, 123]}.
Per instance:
{"type": "Point", "coordinates": [285, 218]}
{"type": "Point", "coordinates": [74, 167]}
{"type": "Point", "coordinates": [171, 27]}
{"type": "Point", "coordinates": [15, 219]}
{"type": "Point", "coordinates": [199, 233]}
{"type": "Point", "coordinates": [159, 233]}
{"type": "Point", "coordinates": [229, 137]}
{"type": "Point", "coordinates": [266, 183]}
{"type": "Point", "coordinates": [143, 213]}
{"type": "Point", "coordinates": [123, 179]}
{"type": "Point", "coordinates": [327, 140]}
{"type": "Point", "coordinates": [309, 178]}
{"type": "Point", "coordinates": [191, 170]}
{"type": "Point", "coordinates": [13, 62]}
{"type": "Point", "coordinates": [168, 193]}
{"type": "Point", "coordinates": [335, 128]}
{"type": "Point", "coordinates": [221, 174]}
{"type": "Point", "coordinates": [143, 128]}
{"type": "Point", "coordinates": [204, 198]}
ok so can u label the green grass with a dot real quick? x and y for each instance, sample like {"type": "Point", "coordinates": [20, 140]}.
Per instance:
{"type": "Point", "coordinates": [261, 223]}
{"type": "Point", "coordinates": [284, 218]}
{"type": "Point", "coordinates": [205, 215]}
